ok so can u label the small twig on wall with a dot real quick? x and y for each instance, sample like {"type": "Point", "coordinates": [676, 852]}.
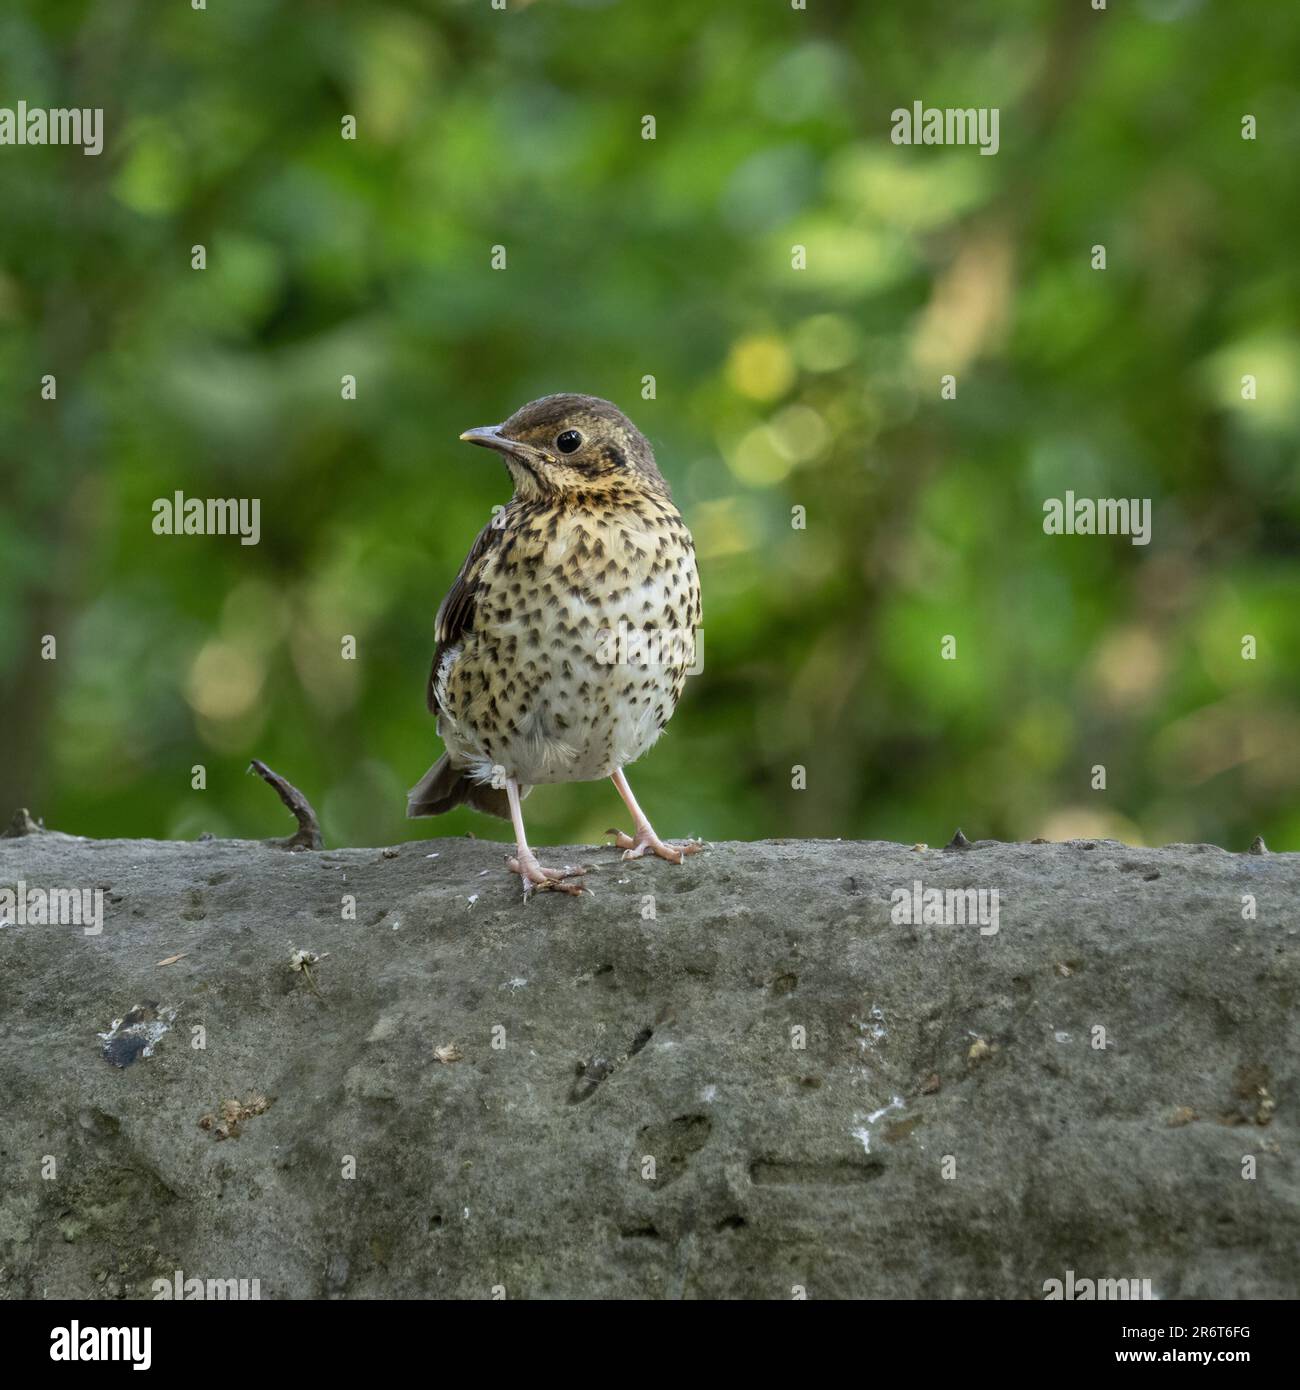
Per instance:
{"type": "Point", "coordinates": [308, 835]}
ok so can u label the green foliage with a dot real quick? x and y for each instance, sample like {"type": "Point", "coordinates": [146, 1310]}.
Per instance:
{"type": "Point", "coordinates": [776, 388]}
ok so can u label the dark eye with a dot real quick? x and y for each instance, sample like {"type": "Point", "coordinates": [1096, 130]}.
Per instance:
{"type": "Point", "coordinates": [567, 442]}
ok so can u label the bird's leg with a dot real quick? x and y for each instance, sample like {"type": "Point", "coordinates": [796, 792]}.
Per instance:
{"type": "Point", "coordinates": [524, 862]}
{"type": "Point", "coordinates": [634, 847]}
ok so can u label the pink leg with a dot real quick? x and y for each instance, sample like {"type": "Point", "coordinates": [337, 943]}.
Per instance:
{"type": "Point", "coordinates": [524, 862]}
{"type": "Point", "coordinates": [634, 847]}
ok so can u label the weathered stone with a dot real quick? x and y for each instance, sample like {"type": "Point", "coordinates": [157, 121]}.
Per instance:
{"type": "Point", "coordinates": [623, 1037]}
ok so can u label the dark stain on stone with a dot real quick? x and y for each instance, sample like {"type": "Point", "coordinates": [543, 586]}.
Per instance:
{"type": "Point", "coordinates": [646, 1232]}
{"type": "Point", "coordinates": [672, 1145]}
{"type": "Point", "coordinates": [900, 1129]}
{"type": "Point", "coordinates": [589, 1075]}
{"type": "Point", "coordinates": [779, 1172]}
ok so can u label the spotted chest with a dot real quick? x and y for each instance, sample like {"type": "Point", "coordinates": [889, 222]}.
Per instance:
{"type": "Point", "coordinates": [578, 643]}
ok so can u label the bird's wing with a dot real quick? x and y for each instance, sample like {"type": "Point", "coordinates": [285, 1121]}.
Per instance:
{"type": "Point", "coordinates": [456, 611]}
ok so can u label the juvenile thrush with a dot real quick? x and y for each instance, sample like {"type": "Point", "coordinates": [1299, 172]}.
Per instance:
{"type": "Point", "coordinates": [565, 642]}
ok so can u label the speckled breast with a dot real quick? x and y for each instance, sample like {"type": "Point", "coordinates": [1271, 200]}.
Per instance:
{"type": "Point", "coordinates": [583, 637]}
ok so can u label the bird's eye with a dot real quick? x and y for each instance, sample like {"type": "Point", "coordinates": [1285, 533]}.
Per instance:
{"type": "Point", "coordinates": [567, 442]}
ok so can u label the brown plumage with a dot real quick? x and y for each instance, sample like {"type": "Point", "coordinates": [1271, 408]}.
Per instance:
{"type": "Point", "coordinates": [565, 642]}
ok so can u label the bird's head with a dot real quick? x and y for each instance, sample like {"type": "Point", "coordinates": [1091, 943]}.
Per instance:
{"type": "Point", "coordinates": [570, 444]}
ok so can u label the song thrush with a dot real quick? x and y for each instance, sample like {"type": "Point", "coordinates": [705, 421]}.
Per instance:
{"type": "Point", "coordinates": [565, 642]}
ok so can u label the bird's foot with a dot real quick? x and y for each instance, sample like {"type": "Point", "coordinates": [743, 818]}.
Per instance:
{"type": "Point", "coordinates": [647, 841]}
{"type": "Point", "coordinates": [538, 879]}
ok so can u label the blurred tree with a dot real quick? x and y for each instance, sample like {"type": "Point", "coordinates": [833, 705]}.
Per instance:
{"type": "Point", "coordinates": [781, 396]}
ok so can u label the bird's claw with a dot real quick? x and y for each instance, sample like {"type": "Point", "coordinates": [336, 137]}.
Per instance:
{"type": "Point", "coordinates": [538, 879]}
{"type": "Point", "coordinates": [647, 840]}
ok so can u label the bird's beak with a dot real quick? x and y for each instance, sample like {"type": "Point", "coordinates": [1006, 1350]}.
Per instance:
{"type": "Point", "coordinates": [490, 437]}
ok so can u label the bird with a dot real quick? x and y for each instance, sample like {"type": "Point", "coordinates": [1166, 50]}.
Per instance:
{"type": "Point", "coordinates": [564, 644]}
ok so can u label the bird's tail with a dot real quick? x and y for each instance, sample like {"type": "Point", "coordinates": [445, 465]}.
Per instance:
{"type": "Point", "coordinates": [445, 786]}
